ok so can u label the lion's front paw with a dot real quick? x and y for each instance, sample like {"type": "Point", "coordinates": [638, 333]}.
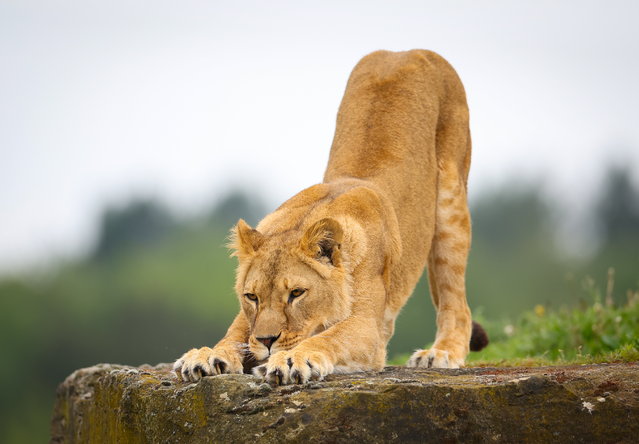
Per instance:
{"type": "Point", "coordinates": [294, 367]}
{"type": "Point", "coordinates": [205, 361]}
{"type": "Point", "coordinates": [434, 358]}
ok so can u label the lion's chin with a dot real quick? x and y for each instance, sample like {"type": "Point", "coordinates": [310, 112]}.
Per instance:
{"type": "Point", "coordinates": [263, 355]}
{"type": "Point", "coordinates": [260, 355]}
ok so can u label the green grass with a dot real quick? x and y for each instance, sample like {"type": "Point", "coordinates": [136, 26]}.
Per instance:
{"type": "Point", "coordinates": [594, 332]}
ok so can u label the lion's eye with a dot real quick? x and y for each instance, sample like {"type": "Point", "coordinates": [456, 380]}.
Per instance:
{"type": "Point", "coordinates": [296, 293]}
{"type": "Point", "coordinates": [250, 296]}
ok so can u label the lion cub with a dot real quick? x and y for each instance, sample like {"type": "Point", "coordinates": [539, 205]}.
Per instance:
{"type": "Point", "coordinates": [322, 279]}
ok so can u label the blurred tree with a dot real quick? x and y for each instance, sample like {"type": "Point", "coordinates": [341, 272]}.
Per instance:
{"type": "Point", "coordinates": [235, 205]}
{"type": "Point", "coordinates": [514, 263]}
{"type": "Point", "coordinates": [617, 212]}
{"type": "Point", "coordinates": [511, 218]}
{"type": "Point", "coordinates": [140, 222]}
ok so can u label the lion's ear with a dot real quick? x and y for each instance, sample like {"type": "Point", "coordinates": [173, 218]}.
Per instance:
{"type": "Point", "coordinates": [323, 241]}
{"type": "Point", "coordinates": [245, 241]}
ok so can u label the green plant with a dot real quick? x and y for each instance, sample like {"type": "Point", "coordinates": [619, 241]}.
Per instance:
{"type": "Point", "coordinates": [592, 332]}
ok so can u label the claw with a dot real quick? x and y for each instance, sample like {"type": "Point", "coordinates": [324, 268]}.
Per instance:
{"type": "Point", "coordinates": [276, 377]}
{"type": "Point", "coordinates": [316, 375]}
{"type": "Point", "coordinates": [296, 377]}
{"type": "Point", "coordinates": [279, 377]}
{"type": "Point", "coordinates": [220, 366]}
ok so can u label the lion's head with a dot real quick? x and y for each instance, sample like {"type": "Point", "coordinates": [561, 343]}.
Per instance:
{"type": "Point", "coordinates": [291, 285]}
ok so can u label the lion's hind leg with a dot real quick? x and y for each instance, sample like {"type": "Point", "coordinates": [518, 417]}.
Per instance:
{"type": "Point", "coordinates": [446, 272]}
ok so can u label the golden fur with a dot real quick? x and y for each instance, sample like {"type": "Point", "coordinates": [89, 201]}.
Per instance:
{"type": "Point", "coordinates": [322, 279]}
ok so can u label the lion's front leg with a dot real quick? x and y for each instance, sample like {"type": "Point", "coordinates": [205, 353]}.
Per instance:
{"type": "Point", "coordinates": [226, 357]}
{"type": "Point", "coordinates": [199, 362]}
{"type": "Point", "coordinates": [297, 366]}
{"type": "Point", "coordinates": [349, 346]}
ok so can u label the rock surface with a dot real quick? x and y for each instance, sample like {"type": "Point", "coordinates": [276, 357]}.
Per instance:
{"type": "Point", "coordinates": [112, 403]}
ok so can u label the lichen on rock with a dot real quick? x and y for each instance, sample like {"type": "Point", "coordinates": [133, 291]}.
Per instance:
{"type": "Point", "coordinates": [112, 403]}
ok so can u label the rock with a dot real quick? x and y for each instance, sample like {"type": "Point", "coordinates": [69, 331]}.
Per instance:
{"type": "Point", "coordinates": [112, 403]}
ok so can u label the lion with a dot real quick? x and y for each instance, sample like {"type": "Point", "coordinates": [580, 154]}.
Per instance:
{"type": "Point", "coordinates": [322, 279]}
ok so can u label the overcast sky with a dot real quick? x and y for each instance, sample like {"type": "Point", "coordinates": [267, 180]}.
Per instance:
{"type": "Point", "coordinates": [186, 100]}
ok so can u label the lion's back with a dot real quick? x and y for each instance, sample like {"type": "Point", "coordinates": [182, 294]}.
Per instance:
{"type": "Point", "coordinates": [403, 114]}
{"type": "Point", "coordinates": [388, 119]}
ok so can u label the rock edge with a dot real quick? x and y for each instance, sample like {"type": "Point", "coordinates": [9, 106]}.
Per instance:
{"type": "Point", "coordinates": [590, 403]}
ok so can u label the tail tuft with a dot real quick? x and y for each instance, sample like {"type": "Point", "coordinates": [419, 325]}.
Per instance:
{"type": "Point", "coordinates": [478, 338]}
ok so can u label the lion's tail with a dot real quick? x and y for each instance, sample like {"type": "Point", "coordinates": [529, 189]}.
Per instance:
{"type": "Point", "coordinates": [478, 338]}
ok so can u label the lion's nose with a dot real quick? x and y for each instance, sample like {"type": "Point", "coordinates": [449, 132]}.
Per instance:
{"type": "Point", "coordinates": [268, 340]}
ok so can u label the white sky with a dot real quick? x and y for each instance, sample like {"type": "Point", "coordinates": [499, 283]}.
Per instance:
{"type": "Point", "coordinates": [184, 100]}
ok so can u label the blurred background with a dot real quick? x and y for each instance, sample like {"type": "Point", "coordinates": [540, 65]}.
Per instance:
{"type": "Point", "coordinates": [134, 134]}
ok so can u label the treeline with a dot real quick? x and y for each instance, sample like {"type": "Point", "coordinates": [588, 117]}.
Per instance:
{"type": "Point", "coordinates": [157, 283]}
